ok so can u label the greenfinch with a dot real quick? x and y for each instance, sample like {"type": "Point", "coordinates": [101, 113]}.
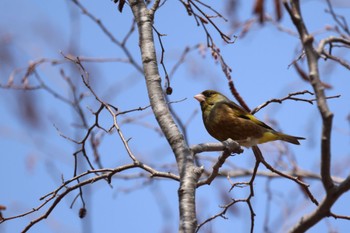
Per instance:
{"type": "Point", "coordinates": [224, 119]}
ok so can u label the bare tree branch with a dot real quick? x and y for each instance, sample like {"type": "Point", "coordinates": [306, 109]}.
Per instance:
{"type": "Point", "coordinates": [290, 97]}
{"type": "Point", "coordinates": [110, 35]}
{"type": "Point", "coordinates": [333, 191]}
{"type": "Point", "coordinates": [228, 147]}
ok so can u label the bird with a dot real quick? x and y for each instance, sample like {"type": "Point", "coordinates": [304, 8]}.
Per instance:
{"type": "Point", "coordinates": [225, 119]}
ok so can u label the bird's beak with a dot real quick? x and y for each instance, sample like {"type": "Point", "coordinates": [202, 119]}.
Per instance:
{"type": "Point", "coordinates": [199, 97]}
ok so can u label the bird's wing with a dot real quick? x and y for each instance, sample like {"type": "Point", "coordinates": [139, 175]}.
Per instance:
{"type": "Point", "coordinates": [242, 113]}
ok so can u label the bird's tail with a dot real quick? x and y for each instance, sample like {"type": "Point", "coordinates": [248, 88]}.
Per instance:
{"type": "Point", "coordinates": [289, 138]}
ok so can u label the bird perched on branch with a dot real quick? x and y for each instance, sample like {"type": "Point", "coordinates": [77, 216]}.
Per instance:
{"type": "Point", "coordinates": [224, 119]}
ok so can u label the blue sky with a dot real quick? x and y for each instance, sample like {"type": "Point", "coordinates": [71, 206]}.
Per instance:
{"type": "Point", "coordinates": [35, 157]}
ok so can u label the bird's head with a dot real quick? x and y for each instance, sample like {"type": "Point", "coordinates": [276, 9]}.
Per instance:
{"type": "Point", "coordinates": [210, 97]}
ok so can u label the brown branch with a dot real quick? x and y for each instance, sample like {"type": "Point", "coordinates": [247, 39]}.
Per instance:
{"type": "Point", "coordinates": [101, 174]}
{"type": "Point", "coordinates": [304, 76]}
{"type": "Point", "coordinates": [331, 41]}
{"type": "Point", "coordinates": [32, 70]}
{"type": "Point", "coordinates": [168, 89]}
{"type": "Point", "coordinates": [221, 214]}
{"type": "Point", "coordinates": [109, 35]}
{"type": "Point", "coordinates": [226, 38]}
{"type": "Point", "coordinates": [215, 51]}
{"type": "Point", "coordinates": [251, 195]}
{"type": "Point", "coordinates": [333, 191]}
{"type": "Point", "coordinates": [301, 174]}
{"type": "Point", "coordinates": [337, 216]}
{"type": "Point", "coordinates": [218, 14]}
{"type": "Point", "coordinates": [338, 59]}
{"type": "Point", "coordinates": [221, 160]}
{"type": "Point", "coordinates": [288, 97]}
{"type": "Point", "coordinates": [129, 33]}
{"type": "Point", "coordinates": [312, 58]}
{"type": "Point", "coordinates": [85, 78]}
{"type": "Point", "coordinates": [228, 147]}
{"type": "Point", "coordinates": [323, 210]}
{"type": "Point", "coordinates": [232, 145]}
{"type": "Point", "coordinates": [340, 20]}
{"type": "Point", "coordinates": [202, 18]}
{"type": "Point", "coordinates": [304, 186]}
{"type": "Point", "coordinates": [182, 59]}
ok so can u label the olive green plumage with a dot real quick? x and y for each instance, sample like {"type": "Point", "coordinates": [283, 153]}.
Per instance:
{"type": "Point", "coordinates": [224, 119]}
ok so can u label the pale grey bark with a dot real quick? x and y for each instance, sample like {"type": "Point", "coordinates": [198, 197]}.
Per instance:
{"type": "Point", "coordinates": [189, 173]}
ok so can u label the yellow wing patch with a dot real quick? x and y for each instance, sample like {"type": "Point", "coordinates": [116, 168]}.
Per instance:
{"type": "Point", "coordinates": [268, 136]}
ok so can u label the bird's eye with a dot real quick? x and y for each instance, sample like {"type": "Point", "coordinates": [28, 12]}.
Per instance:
{"type": "Point", "coordinates": [207, 94]}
